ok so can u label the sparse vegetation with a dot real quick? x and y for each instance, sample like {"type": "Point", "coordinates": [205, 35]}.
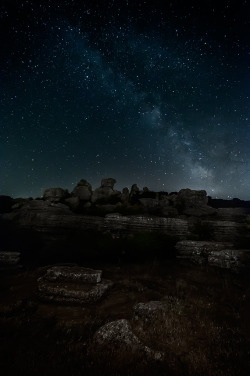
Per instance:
{"type": "Point", "coordinates": [204, 331]}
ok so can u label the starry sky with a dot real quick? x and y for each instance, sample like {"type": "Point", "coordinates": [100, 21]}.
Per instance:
{"type": "Point", "coordinates": [148, 92]}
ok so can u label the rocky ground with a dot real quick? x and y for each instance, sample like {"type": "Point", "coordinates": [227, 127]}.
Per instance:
{"type": "Point", "coordinates": [165, 318]}
{"type": "Point", "coordinates": [159, 286]}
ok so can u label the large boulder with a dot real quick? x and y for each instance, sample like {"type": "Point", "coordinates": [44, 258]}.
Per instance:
{"type": "Point", "coordinates": [119, 334]}
{"type": "Point", "coordinates": [55, 194]}
{"type": "Point", "coordinates": [106, 194]}
{"type": "Point", "coordinates": [134, 194]}
{"type": "Point", "coordinates": [82, 191]}
{"type": "Point", "coordinates": [193, 203]}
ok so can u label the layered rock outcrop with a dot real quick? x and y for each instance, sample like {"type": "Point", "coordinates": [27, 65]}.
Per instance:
{"type": "Point", "coordinates": [216, 254]}
{"type": "Point", "coordinates": [72, 285]}
{"type": "Point", "coordinates": [182, 215]}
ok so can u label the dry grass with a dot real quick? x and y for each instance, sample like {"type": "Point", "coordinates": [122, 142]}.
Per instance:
{"type": "Point", "coordinates": [205, 329]}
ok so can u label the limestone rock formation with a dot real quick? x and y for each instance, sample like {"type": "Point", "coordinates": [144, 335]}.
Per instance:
{"type": "Point", "coordinates": [235, 259]}
{"type": "Point", "coordinates": [213, 253]}
{"type": "Point", "coordinates": [119, 334]}
{"type": "Point", "coordinates": [134, 194]}
{"type": "Point", "coordinates": [82, 191]}
{"type": "Point", "coordinates": [72, 285]}
{"type": "Point", "coordinates": [55, 194]}
{"type": "Point", "coordinates": [232, 214]}
{"type": "Point", "coordinates": [193, 203]}
{"type": "Point", "coordinates": [106, 194]}
{"type": "Point", "coordinates": [125, 195]}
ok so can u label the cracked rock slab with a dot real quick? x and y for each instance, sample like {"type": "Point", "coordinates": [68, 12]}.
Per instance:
{"type": "Point", "coordinates": [119, 334]}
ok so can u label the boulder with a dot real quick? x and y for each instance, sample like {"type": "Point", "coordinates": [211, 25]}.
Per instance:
{"type": "Point", "coordinates": [106, 194]}
{"type": "Point", "coordinates": [234, 259]}
{"type": "Point", "coordinates": [108, 183]}
{"type": "Point", "coordinates": [82, 191]}
{"type": "Point", "coordinates": [134, 194]}
{"type": "Point", "coordinates": [119, 334]}
{"type": "Point", "coordinates": [55, 194]}
{"type": "Point", "coordinates": [125, 195]}
{"type": "Point", "coordinates": [193, 203]}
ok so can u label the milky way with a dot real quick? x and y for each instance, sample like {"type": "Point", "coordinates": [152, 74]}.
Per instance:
{"type": "Point", "coordinates": [147, 94]}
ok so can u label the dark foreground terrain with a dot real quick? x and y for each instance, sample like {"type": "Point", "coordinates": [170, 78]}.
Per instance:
{"type": "Point", "coordinates": [205, 328]}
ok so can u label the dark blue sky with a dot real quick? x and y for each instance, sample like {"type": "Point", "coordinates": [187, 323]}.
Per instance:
{"type": "Point", "coordinates": [149, 92]}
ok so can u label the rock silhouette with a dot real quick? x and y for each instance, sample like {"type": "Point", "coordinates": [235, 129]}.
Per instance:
{"type": "Point", "coordinates": [63, 220]}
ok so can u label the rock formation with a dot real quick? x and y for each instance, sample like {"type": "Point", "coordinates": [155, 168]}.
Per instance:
{"type": "Point", "coordinates": [217, 254]}
{"type": "Point", "coordinates": [182, 215]}
{"type": "Point", "coordinates": [55, 194]}
{"type": "Point", "coordinates": [106, 193]}
{"type": "Point", "coordinates": [83, 190]}
{"type": "Point", "coordinates": [72, 285]}
{"type": "Point", "coordinates": [119, 334]}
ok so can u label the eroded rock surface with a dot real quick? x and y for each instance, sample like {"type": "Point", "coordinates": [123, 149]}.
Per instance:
{"type": "Point", "coordinates": [218, 254]}
{"type": "Point", "coordinates": [119, 334]}
{"type": "Point", "coordinates": [72, 285]}
{"type": "Point", "coordinates": [55, 194]}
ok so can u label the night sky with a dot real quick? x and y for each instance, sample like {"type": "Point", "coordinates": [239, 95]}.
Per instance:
{"type": "Point", "coordinates": [148, 92]}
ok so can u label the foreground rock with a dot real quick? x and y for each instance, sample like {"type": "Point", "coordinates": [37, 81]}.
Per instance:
{"type": "Point", "coordinates": [212, 253]}
{"type": "Point", "coordinates": [119, 334]}
{"type": "Point", "coordinates": [234, 259]}
{"type": "Point", "coordinates": [72, 285]}
{"type": "Point", "coordinates": [9, 258]}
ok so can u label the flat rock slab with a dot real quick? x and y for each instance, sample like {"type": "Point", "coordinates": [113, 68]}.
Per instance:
{"type": "Point", "coordinates": [72, 292]}
{"type": "Point", "coordinates": [230, 258]}
{"type": "Point", "coordinates": [120, 335]}
{"type": "Point", "coordinates": [213, 253]}
{"type": "Point", "coordinates": [9, 258]}
{"type": "Point", "coordinates": [73, 273]}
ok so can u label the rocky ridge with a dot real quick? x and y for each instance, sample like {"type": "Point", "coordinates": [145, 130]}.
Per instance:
{"type": "Point", "coordinates": [181, 216]}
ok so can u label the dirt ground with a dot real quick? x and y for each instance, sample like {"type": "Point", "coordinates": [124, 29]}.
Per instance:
{"type": "Point", "coordinates": [205, 332]}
